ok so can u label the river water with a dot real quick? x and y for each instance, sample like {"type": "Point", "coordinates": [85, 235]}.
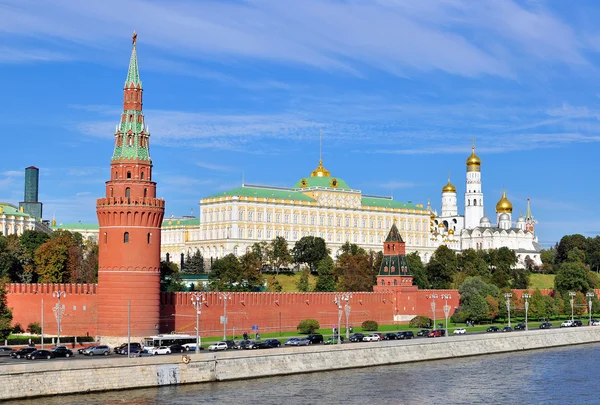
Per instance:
{"type": "Point", "coordinates": [551, 376]}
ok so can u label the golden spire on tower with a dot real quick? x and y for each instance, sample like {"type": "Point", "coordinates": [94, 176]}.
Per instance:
{"type": "Point", "coordinates": [320, 171]}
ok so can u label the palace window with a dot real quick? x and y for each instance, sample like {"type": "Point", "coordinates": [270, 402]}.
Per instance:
{"type": "Point", "coordinates": [268, 217]}
{"type": "Point", "coordinates": [277, 218]}
{"type": "Point", "coordinates": [250, 233]}
{"type": "Point", "coordinates": [250, 215]}
{"type": "Point", "coordinates": [322, 220]}
{"type": "Point", "coordinates": [142, 175]}
{"type": "Point", "coordinates": [295, 235]}
{"type": "Point", "coordinates": [355, 222]}
{"type": "Point", "coordinates": [127, 193]}
{"type": "Point", "coordinates": [329, 220]}
{"type": "Point", "coordinates": [339, 222]}
{"type": "Point", "coordinates": [304, 218]}
{"type": "Point", "coordinates": [260, 234]}
{"type": "Point", "coordinates": [241, 215]}
{"type": "Point", "coordinates": [295, 218]}
{"type": "Point", "coordinates": [347, 221]}
{"type": "Point", "coordinates": [128, 175]}
{"type": "Point", "coordinates": [410, 226]}
{"type": "Point", "coordinates": [286, 218]}
{"type": "Point", "coordinates": [268, 234]}
{"type": "Point", "coordinates": [313, 219]}
{"type": "Point", "coordinates": [364, 223]}
{"type": "Point", "coordinates": [259, 217]}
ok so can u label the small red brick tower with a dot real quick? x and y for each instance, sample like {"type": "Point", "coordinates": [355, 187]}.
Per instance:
{"type": "Point", "coordinates": [394, 272]}
{"type": "Point", "coordinates": [130, 217]}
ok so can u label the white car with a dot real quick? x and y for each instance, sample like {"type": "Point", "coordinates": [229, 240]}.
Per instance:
{"type": "Point", "coordinates": [460, 331]}
{"type": "Point", "coordinates": [159, 350]}
{"type": "Point", "coordinates": [566, 324]}
{"type": "Point", "coordinates": [373, 337]}
{"type": "Point", "coordinates": [217, 346]}
{"type": "Point", "coordinates": [595, 322]}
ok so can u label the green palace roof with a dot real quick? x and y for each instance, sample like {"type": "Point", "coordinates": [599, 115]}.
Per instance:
{"type": "Point", "coordinates": [387, 202]}
{"type": "Point", "coordinates": [76, 226]}
{"type": "Point", "coordinates": [11, 210]}
{"type": "Point", "coordinates": [181, 222]}
{"type": "Point", "coordinates": [264, 192]}
{"type": "Point", "coordinates": [327, 182]}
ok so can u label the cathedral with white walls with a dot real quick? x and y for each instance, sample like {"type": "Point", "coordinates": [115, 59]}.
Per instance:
{"type": "Point", "coordinates": [475, 230]}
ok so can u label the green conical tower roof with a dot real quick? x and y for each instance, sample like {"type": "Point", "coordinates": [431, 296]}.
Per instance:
{"type": "Point", "coordinates": [133, 74]}
{"type": "Point", "coordinates": [394, 235]}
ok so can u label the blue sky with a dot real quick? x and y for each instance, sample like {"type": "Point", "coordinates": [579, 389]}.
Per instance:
{"type": "Point", "coordinates": [235, 88]}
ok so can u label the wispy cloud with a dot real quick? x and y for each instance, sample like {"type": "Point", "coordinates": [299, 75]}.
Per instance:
{"type": "Point", "coordinates": [215, 167]}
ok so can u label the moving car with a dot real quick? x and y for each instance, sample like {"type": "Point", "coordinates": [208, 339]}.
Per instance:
{"type": "Point", "coordinates": [101, 350]}
{"type": "Point", "coordinates": [219, 346]}
{"type": "Point", "coordinates": [272, 343]}
{"type": "Point", "coordinates": [507, 329]}
{"type": "Point", "coordinates": [40, 354]}
{"type": "Point", "coordinates": [520, 326]}
{"type": "Point", "coordinates": [545, 325]}
{"type": "Point", "coordinates": [435, 333]}
{"type": "Point", "coordinates": [405, 334]}
{"type": "Point", "coordinates": [6, 351]}
{"type": "Point", "coordinates": [62, 351]}
{"type": "Point", "coordinates": [22, 353]}
{"type": "Point", "coordinates": [373, 337]}
{"type": "Point", "coordinates": [423, 332]}
{"type": "Point", "coordinates": [357, 337]}
{"type": "Point", "coordinates": [158, 350]}
{"type": "Point", "coordinates": [459, 331]}
{"type": "Point", "coordinates": [315, 338]}
{"type": "Point", "coordinates": [492, 329]}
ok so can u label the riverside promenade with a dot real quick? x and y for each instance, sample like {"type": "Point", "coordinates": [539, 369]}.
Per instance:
{"type": "Point", "coordinates": [62, 377]}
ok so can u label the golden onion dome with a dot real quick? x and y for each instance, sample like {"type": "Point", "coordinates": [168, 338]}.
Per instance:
{"type": "Point", "coordinates": [451, 232]}
{"type": "Point", "coordinates": [449, 188]}
{"type": "Point", "coordinates": [441, 225]}
{"type": "Point", "coordinates": [473, 160]}
{"type": "Point", "coordinates": [432, 215]}
{"type": "Point", "coordinates": [504, 205]}
{"type": "Point", "coordinates": [320, 171]}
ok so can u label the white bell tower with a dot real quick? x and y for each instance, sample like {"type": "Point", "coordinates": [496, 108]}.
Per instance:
{"type": "Point", "coordinates": [473, 196]}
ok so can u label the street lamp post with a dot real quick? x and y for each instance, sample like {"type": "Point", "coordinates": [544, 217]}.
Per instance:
{"type": "Point", "coordinates": [590, 295]}
{"type": "Point", "coordinates": [197, 301]}
{"type": "Point", "coordinates": [526, 297]}
{"type": "Point", "coordinates": [225, 296]}
{"type": "Point", "coordinates": [572, 295]}
{"type": "Point", "coordinates": [433, 298]}
{"type": "Point", "coordinates": [338, 302]}
{"type": "Point", "coordinates": [58, 310]}
{"type": "Point", "coordinates": [347, 311]}
{"type": "Point", "coordinates": [446, 310]}
{"type": "Point", "coordinates": [508, 296]}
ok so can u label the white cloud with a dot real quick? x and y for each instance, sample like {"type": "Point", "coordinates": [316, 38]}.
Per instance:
{"type": "Point", "coordinates": [215, 167]}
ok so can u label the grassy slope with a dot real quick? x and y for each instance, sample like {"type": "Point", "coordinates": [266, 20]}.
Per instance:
{"type": "Point", "coordinates": [541, 281]}
{"type": "Point", "coordinates": [288, 282]}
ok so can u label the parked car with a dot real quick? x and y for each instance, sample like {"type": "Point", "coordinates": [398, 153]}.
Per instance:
{"type": "Point", "coordinates": [373, 337]}
{"type": "Point", "coordinates": [423, 332]}
{"type": "Point", "coordinates": [303, 342]}
{"type": "Point", "coordinates": [101, 350]}
{"type": "Point", "coordinates": [389, 336]}
{"type": "Point", "coordinates": [257, 344]}
{"type": "Point", "coordinates": [215, 347]}
{"type": "Point", "coordinates": [405, 334]}
{"type": "Point", "coordinates": [272, 343]}
{"type": "Point", "coordinates": [435, 333]}
{"type": "Point", "coordinates": [140, 353]}
{"type": "Point", "coordinates": [492, 329]}
{"type": "Point", "coordinates": [507, 329]}
{"type": "Point", "coordinates": [520, 326]}
{"type": "Point", "coordinates": [242, 344]}
{"type": "Point", "coordinates": [292, 342]}
{"type": "Point", "coordinates": [378, 333]}
{"type": "Point", "coordinates": [545, 325]}
{"type": "Point", "coordinates": [82, 349]}
{"type": "Point", "coordinates": [159, 350]}
{"type": "Point", "coordinates": [566, 324]}
{"type": "Point", "coordinates": [123, 348]}
{"type": "Point", "coordinates": [357, 337]}
{"type": "Point", "coordinates": [595, 322]}
{"type": "Point", "coordinates": [22, 353]}
{"type": "Point", "coordinates": [459, 331]}
{"type": "Point", "coordinates": [333, 340]}
{"type": "Point", "coordinates": [176, 348]}
{"type": "Point", "coordinates": [6, 351]}
{"type": "Point", "coordinates": [40, 354]}
{"type": "Point", "coordinates": [62, 351]}
{"type": "Point", "coordinates": [577, 323]}
{"type": "Point", "coordinates": [315, 338]}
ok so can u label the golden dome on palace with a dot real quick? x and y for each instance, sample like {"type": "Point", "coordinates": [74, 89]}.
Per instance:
{"type": "Point", "coordinates": [473, 160]}
{"type": "Point", "coordinates": [320, 171]}
{"type": "Point", "coordinates": [449, 188]}
{"type": "Point", "coordinates": [450, 231]}
{"type": "Point", "coordinates": [504, 205]}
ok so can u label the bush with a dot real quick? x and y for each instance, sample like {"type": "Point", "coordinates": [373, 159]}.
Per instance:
{"type": "Point", "coordinates": [308, 326]}
{"type": "Point", "coordinates": [17, 328]}
{"type": "Point", "coordinates": [34, 328]}
{"type": "Point", "coordinates": [420, 322]}
{"type": "Point", "coordinates": [370, 326]}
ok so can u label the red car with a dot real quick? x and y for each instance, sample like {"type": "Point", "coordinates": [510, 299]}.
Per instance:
{"type": "Point", "coordinates": [435, 333]}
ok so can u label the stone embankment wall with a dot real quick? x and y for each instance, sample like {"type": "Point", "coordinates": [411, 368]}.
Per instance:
{"type": "Point", "coordinates": [63, 377]}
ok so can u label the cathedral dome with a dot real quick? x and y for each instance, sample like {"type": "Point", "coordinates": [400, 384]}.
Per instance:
{"type": "Point", "coordinates": [450, 231]}
{"type": "Point", "coordinates": [320, 171]}
{"type": "Point", "coordinates": [504, 217]}
{"type": "Point", "coordinates": [504, 205]}
{"type": "Point", "coordinates": [449, 188]}
{"type": "Point", "coordinates": [473, 160]}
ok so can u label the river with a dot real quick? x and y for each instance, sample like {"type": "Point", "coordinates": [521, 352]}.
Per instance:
{"type": "Point", "coordinates": [551, 376]}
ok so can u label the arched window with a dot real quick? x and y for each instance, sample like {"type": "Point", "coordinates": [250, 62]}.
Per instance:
{"type": "Point", "coordinates": [128, 175]}
{"type": "Point", "coordinates": [474, 202]}
{"type": "Point", "coordinates": [395, 282]}
{"type": "Point", "coordinates": [126, 237]}
{"type": "Point", "coordinates": [111, 192]}
{"type": "Point", "coordinates": [127, 193]}
{"type": "Point", "coordinates": [149, 237]}
{"type": "Point", "coordinates": [142, 175]}
{"type": "Point", "coordinates": [116, 174]}
{"type": "Point", "coordinates": [105, 237]}
{"type": "Point", "coordinates": [145, 192]}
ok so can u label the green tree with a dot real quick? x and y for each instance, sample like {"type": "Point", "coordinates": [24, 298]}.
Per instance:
{"type": "Point", "coordinates": [441, 267]}
{"type": "Point", "coordinates": [417, 269]}
{"type": "Point", "coordinates": [354, 269]}
{"type": "Point", "coordinates": [12, 259]}
{"type": "Point", "coordinates": [302, 283]}
{"type": "Point", "coordinates": [503, 261]}
{"type": "Point", "coordinates": [472, 264]}
{"type": "Point", "coordinates": [310, 250]}
{"type": "Point", "coordinates": [325, 275]}
{"type": "Point", "coordinates": [251, 278]}
{"type": "Point", "coordinates": [59, 259]}
{"type": "Point", "coordinates": [572, 276]}
{"type": "Point", "coordinates": [5, 314]}
{"type": "Point", "coordinates": [375, 258]}
{"type": "Point", "coordinates": [225, 274]}
{"type": "Point", "coordinates": [194, 264]}
{"type": "Point", "coordinates": [273, 285]}
{"type": "Point", "coordinates": [478, 299]}
{"type": "Point", "coordinates": [279, 254]}
{"type": "Point", "coordinates": [559, 305]}
{"type": "Point", "coordinates": [170, 279]}
{"type": "Point", "coordinates": [492, 307]}
{"type": "Point", "coordinates": [576, 255]}
{"type": "Point", "coordinates": [31, 240]}
{"type": "Point", "coordinates": [568, 243]}
{"type": "Point", "coordinates": [548, 256]}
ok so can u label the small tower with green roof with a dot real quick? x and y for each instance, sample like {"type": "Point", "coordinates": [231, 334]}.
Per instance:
{"type": "Point", "coordinates": [394, 271]}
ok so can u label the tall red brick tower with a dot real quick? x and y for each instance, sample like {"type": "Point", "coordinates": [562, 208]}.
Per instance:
{"type": "Point", "coordinates": [130, 217]}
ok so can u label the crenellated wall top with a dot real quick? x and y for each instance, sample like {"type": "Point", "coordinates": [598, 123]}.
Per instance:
{"type": "Point", "coordinates": [48, 289]}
